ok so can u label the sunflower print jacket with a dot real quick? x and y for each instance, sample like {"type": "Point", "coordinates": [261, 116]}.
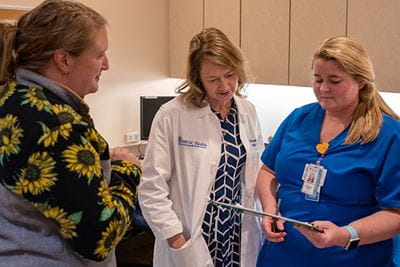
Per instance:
{"type": "Point", "coordinates": [52, 157]}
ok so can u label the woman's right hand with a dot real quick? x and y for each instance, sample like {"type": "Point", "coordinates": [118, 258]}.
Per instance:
{"type": "Point", "coordinates": [272, 236]}
{"type": "Point", "coordinates": [177, 241]}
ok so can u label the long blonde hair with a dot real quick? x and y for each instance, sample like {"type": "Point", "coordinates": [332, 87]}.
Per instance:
{"type": "Point", "coordinates": [351, 57]}
{"type": "Point", "coordinates": [214, 45]}
{"type": "Point", "coordinates": [53, 25]}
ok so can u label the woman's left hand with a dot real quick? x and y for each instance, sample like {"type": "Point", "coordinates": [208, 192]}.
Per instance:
{"type": "Point", "coordinates": [120, 153]}
{"type": "Point", "coordinates": [333, 235]}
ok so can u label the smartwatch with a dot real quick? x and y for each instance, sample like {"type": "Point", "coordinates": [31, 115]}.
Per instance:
{"type": "Point", "coordinates": [354, 238]}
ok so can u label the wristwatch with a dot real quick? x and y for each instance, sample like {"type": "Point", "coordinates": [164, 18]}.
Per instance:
{"type": "Point", "coordinates": [354, 239]}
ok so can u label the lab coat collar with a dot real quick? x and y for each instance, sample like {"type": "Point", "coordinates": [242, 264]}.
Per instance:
{"type": "Point", "coordinates": [206, 110]}
{"type": "Point", "coordinates": [239, 104]}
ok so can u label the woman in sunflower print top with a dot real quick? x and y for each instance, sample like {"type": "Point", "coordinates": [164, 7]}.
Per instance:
{"type": "Point", "coordinates": [63, 202]}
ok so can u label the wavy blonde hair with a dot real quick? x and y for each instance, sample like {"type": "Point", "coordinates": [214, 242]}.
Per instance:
{"type": "Point", "coordinates": [351, 58]}
{"type": "Point", "coordinates": [52, 25]}
{"type": "Point", "coordinates": [214, 45]}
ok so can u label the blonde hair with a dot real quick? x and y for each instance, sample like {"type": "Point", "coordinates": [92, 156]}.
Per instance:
{"type": "Point", "coordinates": [214, 45]}
{"type": "Point", "coordinates": [351, 57]}
{"type": "Point", "coordinates": [53, 25]}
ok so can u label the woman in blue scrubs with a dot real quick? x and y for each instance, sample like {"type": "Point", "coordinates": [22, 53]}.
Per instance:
{"type": "Point", "coordinates": [336, 164]}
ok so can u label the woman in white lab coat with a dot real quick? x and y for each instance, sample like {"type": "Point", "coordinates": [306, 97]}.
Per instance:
{"type": "Point", "coordinates": [204, 144]}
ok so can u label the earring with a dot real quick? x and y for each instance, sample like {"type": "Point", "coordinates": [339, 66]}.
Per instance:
{"type": "Point", "coordinates": [66, 72]}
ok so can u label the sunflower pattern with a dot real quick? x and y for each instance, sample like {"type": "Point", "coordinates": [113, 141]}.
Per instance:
{"type": "Point", "coordinates": [67, 117]}
{"type": "Point", "coordinates": [110, 197]}
{"type": "Point", "coordinates": [36, 98]}
{"type": "Point", "coordinates": [10, 136]}
{"type": "Point", "coordinates": [6, 91]}
{"type": "Point", "coordinates": [94, 137]}
{"type": "Point", "coordinates": [110, 238]}
{"type": "Point", "coordinates": [125, 219]}
{"type": "Point", "coordinates": [127, 168]}
{"type": "Point", "coordinates": [123, 192]}
{"type": "Point", "coordinates": [66, 224]}
{"type": "Point", "coordinates": [106, 195]}
{"type": "Point", "coordinates": [50, 136]}
{"type": "Point", "coordinates": [37, 176]}
{"type": "Point", "coordinates": [83, 159]}
{"type": "Point", "coordinates": [57, 167]}
{"type": "Point", "coordinates": [66, 114]}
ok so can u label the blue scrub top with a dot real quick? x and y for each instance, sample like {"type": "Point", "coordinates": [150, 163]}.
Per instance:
{"type": "Point", "coordinates": [361, 179]}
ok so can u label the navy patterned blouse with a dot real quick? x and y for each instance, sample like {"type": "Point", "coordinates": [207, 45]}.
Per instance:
{"type": "Point", "coordinates": [222, 227]}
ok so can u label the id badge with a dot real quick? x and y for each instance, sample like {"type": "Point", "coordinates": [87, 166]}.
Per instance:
{"type": "Point", "coordinates": [313, 179]}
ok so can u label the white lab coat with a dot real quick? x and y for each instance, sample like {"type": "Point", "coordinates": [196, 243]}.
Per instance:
{"type": "Point", "coordinates": [178, 172]}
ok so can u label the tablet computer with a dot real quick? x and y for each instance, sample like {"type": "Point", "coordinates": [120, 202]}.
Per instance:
{"type": "Point", "coordinates": [240, 208]}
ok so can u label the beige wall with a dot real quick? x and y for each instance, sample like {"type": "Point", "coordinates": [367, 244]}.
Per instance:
{"type": "Point", "coordinates": [22, 3]}
{"type": "Point", "coordinates": [138, 54]}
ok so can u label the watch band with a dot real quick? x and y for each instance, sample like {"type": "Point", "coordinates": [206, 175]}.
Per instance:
{"type": "Point", "coordinates": [354, 238]}
{"type": "Point", "coordinates": [352, 231]}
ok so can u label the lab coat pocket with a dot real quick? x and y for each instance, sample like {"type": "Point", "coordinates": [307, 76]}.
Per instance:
{"type": "Point", "coordinates": [188, 255]}
{"type": "Point", "coordinates": [181, 256]}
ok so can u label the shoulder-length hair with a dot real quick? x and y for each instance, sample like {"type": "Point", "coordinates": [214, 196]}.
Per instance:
{"type": "Point", "coordinates": [351, 57]}
{"type": "Point", "coordinates": [211, 44]}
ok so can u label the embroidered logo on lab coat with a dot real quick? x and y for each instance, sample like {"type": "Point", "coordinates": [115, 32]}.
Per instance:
{"type": "Point", "coordinates": [253, 142]}
{"type": "Point", "coordinates": [191, 143]}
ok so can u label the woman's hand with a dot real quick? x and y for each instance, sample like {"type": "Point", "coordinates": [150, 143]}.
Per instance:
{"type": "Point", "coordinates": [120, 153]}
{"type": "Point", "coordinates": [177, 241]}
{"type": "Point", "coordinates": [333, 235]}
{"type": "Point", "coordinates": [272, 236]}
